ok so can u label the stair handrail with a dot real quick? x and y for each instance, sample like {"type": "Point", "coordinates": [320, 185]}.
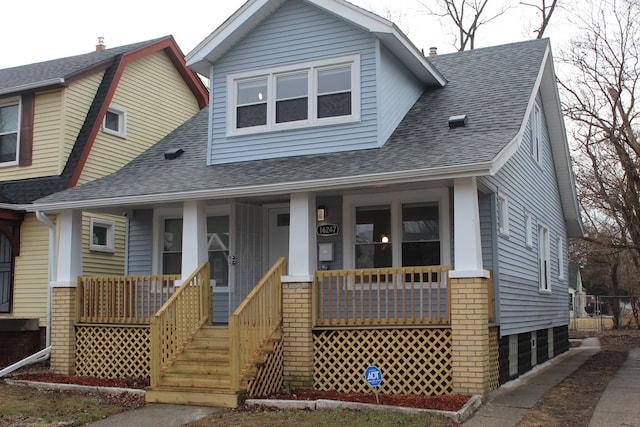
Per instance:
{"type": "Point", "coordinates": [178, 320]}
{"type": "Point", "coordinates": [254, 322]}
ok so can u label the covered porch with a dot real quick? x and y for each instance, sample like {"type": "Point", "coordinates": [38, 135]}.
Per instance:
{"type": "Point", "coordinates": [314, 313]}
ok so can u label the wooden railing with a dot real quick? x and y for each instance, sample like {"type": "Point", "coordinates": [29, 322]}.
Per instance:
{"type": "Point", "coordinates": [122, 299]}
{"type": "Point", "coordinates": [254, 322]}
{"type": "Point", "coordinates": [382, 296]}
{"type": "Point", "coordinates": [177, 321]}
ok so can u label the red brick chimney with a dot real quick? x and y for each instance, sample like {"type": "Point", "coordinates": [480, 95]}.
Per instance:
{"type": "Point", "coordinates": [100, 45]}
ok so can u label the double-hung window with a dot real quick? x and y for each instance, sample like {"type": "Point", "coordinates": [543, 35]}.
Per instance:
{"type": "Point", "coordinates": [295, 96]}
{"type": "Point", "coordinates": [544, 258]}
{"type": "Point", "coordinates": [9, 132]}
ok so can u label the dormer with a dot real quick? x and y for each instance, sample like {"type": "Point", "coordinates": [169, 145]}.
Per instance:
{"type": "Point", "coordinates": [299, 77]}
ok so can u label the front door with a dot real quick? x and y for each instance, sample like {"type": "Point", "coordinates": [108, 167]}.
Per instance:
{"type": "Point", "coordinates": [6, 274]}
{"type": "Point", "coordinates": [278, 234]}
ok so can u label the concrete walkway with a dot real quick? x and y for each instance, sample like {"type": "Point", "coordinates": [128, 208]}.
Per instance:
{"type": "Point", "coordinates": [157, 415]}
{"type": "Point", "coordinates": [507, 405]}
{"type": "Point", "coordinates": [620, 402]}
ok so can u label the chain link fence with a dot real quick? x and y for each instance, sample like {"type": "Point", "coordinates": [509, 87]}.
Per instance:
{"type": "Point", "coordinates": [602, 313]}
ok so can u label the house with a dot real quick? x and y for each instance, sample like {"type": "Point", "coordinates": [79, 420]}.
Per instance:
{"type": "Point", "coordinates": [422, 206]}
{"type": "Point", "coordinates": [63, 123]}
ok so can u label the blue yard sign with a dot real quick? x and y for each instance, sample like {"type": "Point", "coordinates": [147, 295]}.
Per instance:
{"type": "Point", "coordinates": [373, 376]}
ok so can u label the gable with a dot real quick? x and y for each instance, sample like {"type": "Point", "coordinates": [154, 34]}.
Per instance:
{"type": "Point", "coordinates": [296, 35]}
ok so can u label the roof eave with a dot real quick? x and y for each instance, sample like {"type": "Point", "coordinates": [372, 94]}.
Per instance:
{"type": "Point", "coordinates": [338, 183]}
{"type": "Point", "coordinates": [29, 87]}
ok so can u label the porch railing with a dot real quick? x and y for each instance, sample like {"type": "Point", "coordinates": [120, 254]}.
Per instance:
{"type": "Point", "coordinates": [177, 321]}
{"type": "Point", "coordinates": [382, 296]}
{"type": "Point", "coordinates": [254, 322]}
{"type": "Point", "coordinates": [122, 299]}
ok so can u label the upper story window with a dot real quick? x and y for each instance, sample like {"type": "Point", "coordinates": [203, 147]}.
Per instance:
{"type": "Point", "coordinates": [299, 95]}
{"type": "Point", "coordinates": [9, 131]}
{"type": "Point", "coordinates": [535, 126]}
{"type": "Point", "coordinates": [115, 121]}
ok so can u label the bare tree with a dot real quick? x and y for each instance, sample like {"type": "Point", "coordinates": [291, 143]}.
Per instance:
{"type": "Point", "coordinates": [467, 16]}
{"type": "Point", "coordinates": [601, 95]}
{"type": "Point", "coordinates": [545, 9]}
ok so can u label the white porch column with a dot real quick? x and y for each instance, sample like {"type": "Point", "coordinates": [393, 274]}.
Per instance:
{"type": "Point", "coordinates": [69, 262]}
{"type": "Point", "coordinates": [194, 237]}
{"type": "Point", "coordinates": [302, 238]}
{"type": "Point", "coordinates": [466, 228]}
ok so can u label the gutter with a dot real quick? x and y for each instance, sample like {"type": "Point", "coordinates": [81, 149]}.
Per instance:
{"type": "Point", "coordinates": [375, 179]}
{"type": "Point", "coordinates": [31, 86]}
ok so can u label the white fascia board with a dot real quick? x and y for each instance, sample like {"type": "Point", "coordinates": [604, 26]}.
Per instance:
{"type": "Point", "coordinates": [10, 207]}
{"type": "Point", "coordinates": [387, 178]}
{"type": "Point", "coordinates": [31, 86]}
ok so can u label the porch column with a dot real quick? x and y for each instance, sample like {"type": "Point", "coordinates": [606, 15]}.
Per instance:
{"type": "Point", "coordinates": [63, 306]}
{"type": "Point", "coordinates": [297, 318]}
{"type": "Point", "coordinates": [194, 237]}
{"type": "Point", "coordinates": [469, 295]}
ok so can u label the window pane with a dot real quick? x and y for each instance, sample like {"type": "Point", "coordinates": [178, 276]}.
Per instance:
{"type": "Point", "coordinates": [172, 263]}
{"type": "Point", "coordinates": [334, 80]}
{"type": "Point", "coordinates": [173, 235]}
{"type": "Point", "coordinates": [334, 105]}
{"type": "Point", "coordinates": [219, 265]}
{"type": "Point", "coordinates": [251, 115]}
{"type": "Point", "coordinates": [292, 86]}
{"type": "Point", "coordinates": [420, 253]}
{"type": "Point", "coordinates": [218, 233]}
{"type": "Point", "coordinates": [112, 121]}
{"type": "Point", "coordinates": [420, 222]}
{"type": "Point", "coordinates": [252, 92]}
{"type": "Point", "coordinates": [9, 119]}
{"type": "Point", "coordinates": [99, 235]}
{"type": "Point", "coordinates": [373, 256]}
{"type": "Point", "coordinates": [8, 147]}
{"type": "Point", "coordinates": [291, 110]}
{"type": "Point", "coordinates": [372, 223]}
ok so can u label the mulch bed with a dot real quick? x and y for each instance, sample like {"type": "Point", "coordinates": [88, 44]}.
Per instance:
{"type": "Point", "coordinates": [451, 402]}
{"type": "Point", "coordinates": [50, 377]}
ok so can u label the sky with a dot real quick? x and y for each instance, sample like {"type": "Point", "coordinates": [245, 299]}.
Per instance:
{"type": "Point", "coordinates": [41, 30]}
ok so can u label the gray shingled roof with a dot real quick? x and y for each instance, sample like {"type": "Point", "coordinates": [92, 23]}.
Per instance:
{"type": "Point", "coordinates": [492, 86]}
{"type": "Point", "coordinates": [30, 75]}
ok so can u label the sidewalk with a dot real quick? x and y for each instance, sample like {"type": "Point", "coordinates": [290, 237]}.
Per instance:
{"type": "Point", "coordinates": [508, 404]}
{"type": "Point", "coordinates": [157, 415]}
{"type": "Point", "coordinates": [620, 402]}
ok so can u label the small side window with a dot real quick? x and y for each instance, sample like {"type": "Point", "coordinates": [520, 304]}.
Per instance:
{"type": "Point", "coordinates": [102, 235]}
{"type": "Point", "coordinates": [503, 215]}
{"type": "Point", "coordinates": [528, 230]}
{"type": "Point", "coordinates": [535, 125]}
{"type": "Point", "coordinates": [115, 122]}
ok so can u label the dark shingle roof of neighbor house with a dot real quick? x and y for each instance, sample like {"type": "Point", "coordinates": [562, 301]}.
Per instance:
{"type": "Point", "coordinates": [492, 86]}
{"type": "Point", "coordinates": [44, 73]}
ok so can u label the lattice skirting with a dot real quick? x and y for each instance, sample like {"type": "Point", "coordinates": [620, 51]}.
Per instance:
{"type": "Point", "coordinates": [269, 377]}
{"type": "Point", "coordinates": [494, 358]}
{"type": "Point", "coordinates": [412, 360]}
{"type": "Point", "coordinates": [113, 351]}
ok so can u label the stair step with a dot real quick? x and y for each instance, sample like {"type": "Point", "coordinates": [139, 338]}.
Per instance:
{"type": "Point", "coordinates": [203, 355]}
{"type": "Point", "coordinates": [200, 367]}
{"type": "Point", "coordinates": [215, 381]}
{"type": "Point", "coordinates": [190, 396]}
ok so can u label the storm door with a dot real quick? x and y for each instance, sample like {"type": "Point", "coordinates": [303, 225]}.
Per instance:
{"type": "Point", "coordinates": [6, 274]}
{"type": "Point", "coordinates": [246, 262]}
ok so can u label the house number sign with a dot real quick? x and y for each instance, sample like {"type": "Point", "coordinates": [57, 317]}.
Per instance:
{"type": "Point", "coordinates": [328, 230]}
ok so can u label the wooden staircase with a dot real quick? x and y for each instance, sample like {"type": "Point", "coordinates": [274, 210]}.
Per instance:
{"type": "Point", "coordinates": [201, 374]}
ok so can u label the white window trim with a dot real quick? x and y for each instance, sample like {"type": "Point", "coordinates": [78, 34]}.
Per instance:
{"type": "Point", "coordinates": [121, 112]}
{"type": "Point", "coordinates": [547, 256]}
{"type": "Point", "coordinates": [536, 132]}
{"type": "Point", "coordinates": [528, 230]}
{"type": "Point", "coordinates": [395, 201]}
{"type": "Point", "coordinates": [6, 103]}
{"type": "Point", "coordinates": [271, 74]}
{"type": "Point", "coordinates": [111, 231]}
{"type": "Point", "coordinates": [560, 249]}
{"type": "Point", "coordinates": [503, 214]}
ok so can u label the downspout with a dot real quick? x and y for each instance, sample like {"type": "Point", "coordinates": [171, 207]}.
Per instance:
{"type": "Point", "coordinates": [45, 353]}
{"type": "Point", "coordinates": [42, 217]}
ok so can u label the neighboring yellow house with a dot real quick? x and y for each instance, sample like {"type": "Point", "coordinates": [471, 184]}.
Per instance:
{"type": "Point", "coordinates": [63, 123]}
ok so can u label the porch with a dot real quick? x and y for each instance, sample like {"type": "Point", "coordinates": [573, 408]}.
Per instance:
{"type": "Point", "coordinates": [321, 334]}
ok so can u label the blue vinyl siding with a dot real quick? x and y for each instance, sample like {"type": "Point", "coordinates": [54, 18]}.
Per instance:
{"type": "Point", "coordinates": [399, 90]}
{"type": "Point", "coordinates": [296, 33]}
{"type": "Point", "coordinates": [140, 242]}
{"type": "Point", "coordinates": [533, 187]}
